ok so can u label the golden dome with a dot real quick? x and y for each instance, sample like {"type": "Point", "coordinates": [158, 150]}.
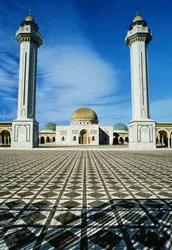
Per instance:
{"type": "Point", "coordinates": [138, 17]}
{"type": "Point", "coordinates": [84, 114]}
{"type": "Point", "coordinates": [29, 17]}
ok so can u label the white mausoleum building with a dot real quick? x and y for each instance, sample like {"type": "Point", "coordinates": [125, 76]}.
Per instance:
{"type": "Point", "coordinates": [84, 129]}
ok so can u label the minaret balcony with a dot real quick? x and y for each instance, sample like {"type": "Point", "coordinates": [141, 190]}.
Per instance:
{"type": "Point", "coordinates": [28, 29]}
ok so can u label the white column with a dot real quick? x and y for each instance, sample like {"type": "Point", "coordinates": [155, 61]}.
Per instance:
{"type": "Point", "coordinates": [27, 80]}
{"type": "Point", "coordinates": [162, 141]}
{"type": "Point", "coordinates": [25, 128]}
{"type": "Point", "coordinates": [5, 140]}
{"type": "Point", "coordinates": [0, 139]}
{"type": "Point", "coordinates": [111, 136]}
{"type": "Point", "coordinates": [159, 140]}
{"type": "Point", "coordinates": [169, 141]}
{"type": "Point", "coordinates": [142, 130]}
{"type": "Point", "coordinates": [139, 79]}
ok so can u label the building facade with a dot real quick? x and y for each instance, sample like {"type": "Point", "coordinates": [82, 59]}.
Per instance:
{"type": "Point", "coordinates": [87, 134]}
{"type": "Point", "coordinates": [84, 128]}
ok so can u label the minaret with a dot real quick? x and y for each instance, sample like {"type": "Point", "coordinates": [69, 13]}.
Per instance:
{"type": "Point", "coordinates": [25, 127]}
{"type": "Point", "coordinates": [141, 128]}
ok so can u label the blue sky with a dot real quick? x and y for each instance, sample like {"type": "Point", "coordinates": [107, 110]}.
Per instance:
{"type": "Point", "coordinates": [84, 59]}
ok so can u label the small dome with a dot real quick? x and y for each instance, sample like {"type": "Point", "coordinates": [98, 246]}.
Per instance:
{"type": "Point", "coordinates": [84, 114]}
{"type": "Point", "coordinates": [137, 18]}
{"type": "Point", "coordinates": [120, 126]}
{"type": "Point", "coordinates": [50, 126]}
{"type": "Point", "coordinates": [29, 17]}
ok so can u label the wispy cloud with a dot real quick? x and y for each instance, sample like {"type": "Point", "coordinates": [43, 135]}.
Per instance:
{"type": "Point", "coordinates": [72, 71]}
{"type": "Point", "coordinates": [72, 78]}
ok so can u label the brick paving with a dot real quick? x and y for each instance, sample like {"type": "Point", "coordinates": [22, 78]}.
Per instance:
{"type": "Point", "coordinates": [85, 199]}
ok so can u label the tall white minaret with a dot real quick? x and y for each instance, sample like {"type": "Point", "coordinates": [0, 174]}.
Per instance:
{"type": "Point", "coordinates": [141, 128]}
{"type": "Point", "coordinates": [25, 127]}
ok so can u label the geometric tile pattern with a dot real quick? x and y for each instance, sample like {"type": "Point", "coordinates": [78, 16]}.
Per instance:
{"type": "Point", "coordinates": [85, 199]}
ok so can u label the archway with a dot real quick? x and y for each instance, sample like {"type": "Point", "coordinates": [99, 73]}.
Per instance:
{"type": "Point", "coordinates": [42, 140]}
{"type": "Point", "coordinates": [162, 138]}
{"type": "Point", "coordinates": [84, 137]}
{"type": "Point", "coordinates": [54, 139]}
{"type": "Point", "coordinates": [121, 140]}
{"type": "Point", "coordinates": [5, 138]}
{"type": "Point", "coordinates": [115, 139]}
{"type": "Point", "coordinates": [126, 139]}
{"type": "Point", "coordinates": [48, 140]}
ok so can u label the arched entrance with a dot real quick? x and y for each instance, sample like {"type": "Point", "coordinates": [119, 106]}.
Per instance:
{"type": "Point", "coordinates": [83, 137]}
{"type": "Point", "coordinates": [5, 138]}
{"type": "Point", "coordinates": [121, 140]}
{"type": "Point", "coordinates": [48, 140]}
{"type": "Point", "coordinates": [42, 141]}
{"type": "Point", "coordinates": [162, 138]}
{"type": "Point", "coordinates": [126, 139]}
{"type": "Point", "coordinates": [115, 139]}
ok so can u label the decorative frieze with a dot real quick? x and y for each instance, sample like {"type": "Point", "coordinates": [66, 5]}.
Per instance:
{"type": "Point", "coordinates": [94, 132]}
{"type": "Point", "coordinates": [74, 132]}
{"type": "Point", "coordinates": [63, 132]}
{"type": "Point", "coordinates": [137, 39]}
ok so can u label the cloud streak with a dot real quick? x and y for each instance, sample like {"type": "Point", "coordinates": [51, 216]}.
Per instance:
{"type": "Point", "coordinates": [72, 78]}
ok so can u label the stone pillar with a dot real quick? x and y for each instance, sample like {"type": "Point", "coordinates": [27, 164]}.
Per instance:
{"type": "Point", "coordinates": [0, 139]}
{"type": "Point", "coordinates": [111, 138]}
{"type": "Point", "coordinates": [162, 141]}
{"type": "Point", "coordinates": [169, 141]}
{"type": "Point", "coordinates": [159, 139]}
{"type": "Point", "coordinates": [5, 140]}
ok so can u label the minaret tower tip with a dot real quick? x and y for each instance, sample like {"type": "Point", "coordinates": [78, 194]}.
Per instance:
{"type": "Point", "coordinates": [25, 127]}
{"type": "Point", "coordinates": [141, 128]}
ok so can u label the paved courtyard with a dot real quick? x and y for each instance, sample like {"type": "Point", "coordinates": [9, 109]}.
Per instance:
{"type": "Point", "coordinates": [85, 199]}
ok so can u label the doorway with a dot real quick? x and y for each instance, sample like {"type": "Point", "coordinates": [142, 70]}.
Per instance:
{"type": "Point", "coordinates": [84, 137]}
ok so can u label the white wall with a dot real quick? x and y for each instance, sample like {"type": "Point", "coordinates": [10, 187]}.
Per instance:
{"type": "Point", "coordinates": [62, 131]}
{"type": "Point", "coordinates": [74, 130]}
{"type": "Point", "coordinates": [108, 132]}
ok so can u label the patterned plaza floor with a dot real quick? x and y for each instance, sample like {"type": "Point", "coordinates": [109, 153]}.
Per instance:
{"type": "Point", "coordinates": [80, 199]}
